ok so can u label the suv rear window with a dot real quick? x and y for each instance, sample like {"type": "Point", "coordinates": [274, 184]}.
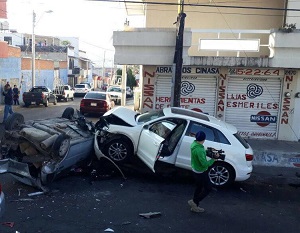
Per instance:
{"type": "Point", "coordinates": [241, 140]}
{"type": "Point", "coordinates": [80, 86]}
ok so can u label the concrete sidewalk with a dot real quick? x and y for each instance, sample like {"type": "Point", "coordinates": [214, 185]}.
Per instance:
{"type": "Point", "coordinates": [276, 161]}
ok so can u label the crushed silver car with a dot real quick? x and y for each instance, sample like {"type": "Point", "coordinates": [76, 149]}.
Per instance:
{"type": "Point", "coordinates": [36, 152]}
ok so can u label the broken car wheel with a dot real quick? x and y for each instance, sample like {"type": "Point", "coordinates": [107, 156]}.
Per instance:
{"type": "Point", "coordinates": [61, 145]}
{"type": "Point", "coordinates": [68, 113]}
{"type": "Point", "coordinates": [14, 121]}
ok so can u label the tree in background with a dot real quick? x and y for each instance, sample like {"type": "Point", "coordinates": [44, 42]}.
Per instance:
{"type": "Point", "coordinates": [130, 77]}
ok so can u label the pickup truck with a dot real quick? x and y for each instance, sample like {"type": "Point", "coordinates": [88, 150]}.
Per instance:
{"type": "Point", "coordinates": [64, 92]}
{"type": "Point", "coordinates": [39, 95]}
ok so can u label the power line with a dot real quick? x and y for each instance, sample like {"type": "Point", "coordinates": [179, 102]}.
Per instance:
{"type": "Point", "coordinates": [198, 5]}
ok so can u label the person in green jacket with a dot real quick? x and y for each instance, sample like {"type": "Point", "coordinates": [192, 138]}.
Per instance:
{"type": "Point", "coordinates": [200, 166]}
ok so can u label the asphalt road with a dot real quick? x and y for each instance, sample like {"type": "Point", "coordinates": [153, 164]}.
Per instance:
{"type": "Point", "coordinates": [88, 202]}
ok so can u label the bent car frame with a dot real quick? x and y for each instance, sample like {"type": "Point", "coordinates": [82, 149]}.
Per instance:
{"type": "Point", "coordinates": [38, 151]}
{"type": "Point", "coordinates": [166, 135]}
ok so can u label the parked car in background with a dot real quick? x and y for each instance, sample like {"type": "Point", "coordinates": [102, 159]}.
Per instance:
{"type": "Point", "coordinates": [81, 89]}
{"type": "Point", "coordinates": [166, 135]}
{"type": "Point", "coordinates": [39, 95]}
{"type": "Point", "coordinates": [96, 102]}
{"type": "Point", "coordinates": [91, 86]}
{"type": "Point", "coordinates": [115, 93]}
{"type": "Point", "coordinates": [129, 92]}
{"type": "Point", "coordinates": [2, 202]}
{"type": "Point", "coordinates": [64, 92]}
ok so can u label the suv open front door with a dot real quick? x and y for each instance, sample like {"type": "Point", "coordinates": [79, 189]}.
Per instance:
{"type": "Point", "coordinates": [149, 146]}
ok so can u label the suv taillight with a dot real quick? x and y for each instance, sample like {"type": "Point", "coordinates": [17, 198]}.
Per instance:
{"type": "Point", "coordinates": [249, 157]}
{"type": "Point", "coordinates": [43, 96]}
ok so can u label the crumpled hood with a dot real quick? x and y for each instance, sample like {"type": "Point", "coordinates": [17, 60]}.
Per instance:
{"type": "Point", "coordinates": [126, 114]}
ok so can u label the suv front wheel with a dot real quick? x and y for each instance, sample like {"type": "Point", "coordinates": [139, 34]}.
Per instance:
{"type": "Point", "coordinates": [119, 150]}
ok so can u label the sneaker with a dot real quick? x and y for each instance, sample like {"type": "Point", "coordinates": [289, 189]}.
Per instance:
{"type": "Point", "coordinates": [194, 207]}
{"type": "Point", "coordinates": [192, 204]}
{"type": "Point", "coordinates": [197, 209]}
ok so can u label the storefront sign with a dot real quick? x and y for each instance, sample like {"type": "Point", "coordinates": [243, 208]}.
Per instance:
{"type": "Point", "coordinates": [188, 70]}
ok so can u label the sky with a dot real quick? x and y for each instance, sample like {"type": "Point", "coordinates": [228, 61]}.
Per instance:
{"type": "Point", "coordinates": [93, 22]}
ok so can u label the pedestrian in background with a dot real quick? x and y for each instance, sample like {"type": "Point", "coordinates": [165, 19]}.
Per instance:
{"type": "Point", "coordinates": [200, 167]}
{"type": "Point", "coordinates": [16, 95]}
{"type": "Point", "coordinates": [8, 101]}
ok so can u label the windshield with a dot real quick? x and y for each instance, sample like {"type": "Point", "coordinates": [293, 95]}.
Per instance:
{"type": "Point", "coordinates": [116, 89]}
{"type": "Point", "coordinates": [80, 86]}
{"type": "Point", "coordinates": [94, 95]}
{"type": "Point", "coordinates": [148, 116]}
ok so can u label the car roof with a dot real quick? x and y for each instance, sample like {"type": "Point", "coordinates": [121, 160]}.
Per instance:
{"type": "Point", "coordinates": [196, 116]}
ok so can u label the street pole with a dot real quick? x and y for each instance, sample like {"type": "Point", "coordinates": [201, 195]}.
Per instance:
{"type": "Point", "coordinates": [33, 50]}
{"type": "Point", "coordinates": [177, 63]}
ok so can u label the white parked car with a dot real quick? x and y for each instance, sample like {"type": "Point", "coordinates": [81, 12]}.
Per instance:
{"type": "Point", "coordinates": [129, 92]}
{"type": "Point", "coordinates": [81, 89]}
{"type": "Point", "coordinates": [115, 93]}
{"type": "Point", "coordinates": [166, 135]}
{"type": "Point", "coordinates": [2, 202]}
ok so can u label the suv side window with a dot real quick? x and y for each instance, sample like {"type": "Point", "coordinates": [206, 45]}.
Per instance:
{"type": "Point", "coordinates": [162, 128]}
{"type": "Point", "coordinates": [212, 134]}
{"type": "Point", "coordinates": [195, 127]}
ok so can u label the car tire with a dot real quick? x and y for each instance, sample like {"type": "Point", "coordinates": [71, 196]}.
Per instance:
{"type": "Point", "coordinates": [26, 105]}
{"type": "Point", "coordinates": [221, 174]}
{"type": "Point", "coordinates": [119, 150]}
{"type": "Point", "coordinates": [61, 145]}
{"type": "Point", "coordinates": [47, 103]}
{"type": "Point", "coordinates": [14, 121]}
{"type": "Point", "coordinates": [67, 99]}
{"type": "Point", "coordinates": [68, 113]}
{"type": "Point", "coordinates": [55, 101]}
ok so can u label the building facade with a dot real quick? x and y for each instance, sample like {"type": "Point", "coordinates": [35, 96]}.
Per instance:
{"type": "Point", "coordinates": [257, 90]}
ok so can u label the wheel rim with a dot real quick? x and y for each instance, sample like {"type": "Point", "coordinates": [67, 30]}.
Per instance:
{"type": "Point", "coordinates": [64, 147]}
{"type": "Point", "coordinates": [219, 175]}
{"type": "Point", "coordinates": [117, 151]}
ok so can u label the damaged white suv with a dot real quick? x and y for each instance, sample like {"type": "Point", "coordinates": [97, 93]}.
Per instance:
{"type": "Point", "coordinates": [166, 135]}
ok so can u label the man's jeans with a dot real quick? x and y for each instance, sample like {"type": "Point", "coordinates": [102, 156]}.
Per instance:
{"type": "Point", "coordinates": [7, 110]}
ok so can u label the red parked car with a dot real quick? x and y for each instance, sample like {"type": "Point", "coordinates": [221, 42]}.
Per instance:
{"type": "Point", "coordinates": [96, 102]}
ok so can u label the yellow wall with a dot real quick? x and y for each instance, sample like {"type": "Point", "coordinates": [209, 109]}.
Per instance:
{"type": "Point", "coordinates": [200, 17]}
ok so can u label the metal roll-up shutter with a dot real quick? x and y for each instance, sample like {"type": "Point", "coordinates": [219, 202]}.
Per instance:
{"type": "Point", "coordinates": [252, 105]}
{"type": "Point", "coordinates": [197, 93]}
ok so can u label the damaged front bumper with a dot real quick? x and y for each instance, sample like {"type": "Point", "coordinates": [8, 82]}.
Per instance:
{"type": "Point", "coordinates": [20, 171]}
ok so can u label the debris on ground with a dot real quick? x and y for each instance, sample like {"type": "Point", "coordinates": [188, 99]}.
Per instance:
{"type": "Point", "coordinates": [35, 194]}
{"type": "Point", "coordinates": [150, 214]}
{"type": "Point", "coordinates": [8, 224]}
{"type": "Point", "coordinates": [109, 230]}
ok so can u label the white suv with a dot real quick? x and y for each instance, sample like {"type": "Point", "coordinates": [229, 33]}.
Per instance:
{"type": "Point", "coordinates": [81, 89]}
{"type": "Point", "coordinates": [166, 135]}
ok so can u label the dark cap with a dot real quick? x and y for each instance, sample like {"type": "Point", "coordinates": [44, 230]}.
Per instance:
{"type": "Point", "coordinates": [200, 136]}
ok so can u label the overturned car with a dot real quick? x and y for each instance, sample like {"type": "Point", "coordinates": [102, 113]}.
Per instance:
{"type": "Point", "coordinates": [35, 152]}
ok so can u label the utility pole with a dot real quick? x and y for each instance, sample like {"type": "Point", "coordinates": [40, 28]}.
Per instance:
{"type": "Point", "coordinates": [177, 63]}
{"type": "Point", "coordinates": [33, 51]}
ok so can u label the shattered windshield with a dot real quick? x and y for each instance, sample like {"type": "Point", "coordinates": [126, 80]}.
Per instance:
{"type": "Point", "coordinates": [148, 116]}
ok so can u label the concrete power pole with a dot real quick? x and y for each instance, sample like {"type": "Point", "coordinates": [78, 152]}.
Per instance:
{"type": "Point", "coordinates": [177, 64]}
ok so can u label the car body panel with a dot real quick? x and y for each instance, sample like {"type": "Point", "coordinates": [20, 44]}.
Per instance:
{"type": "Point", "coordinates": [96, 102]}
{"type": "Point", "coordinates": [2, 202]}
{"type": "Point", "coordinates": [81, 89]}
{"type": "Point", "coordinates": [115, 92]}
{"type": "Point", "coordinates": [128, 115]}
{"type": "Point", "coordinates": [174, 148]}
{"type": "Point", "coordinates": [37, 147]}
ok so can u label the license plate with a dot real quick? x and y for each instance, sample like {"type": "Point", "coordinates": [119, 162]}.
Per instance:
{"type": "Point", "coordinates": [93, 104]}
{"type": "Point", "coordinates": [32, 102]}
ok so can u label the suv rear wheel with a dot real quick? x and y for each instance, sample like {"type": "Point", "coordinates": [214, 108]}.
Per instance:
{"type": "Point", "coordinates": [221, 174]}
